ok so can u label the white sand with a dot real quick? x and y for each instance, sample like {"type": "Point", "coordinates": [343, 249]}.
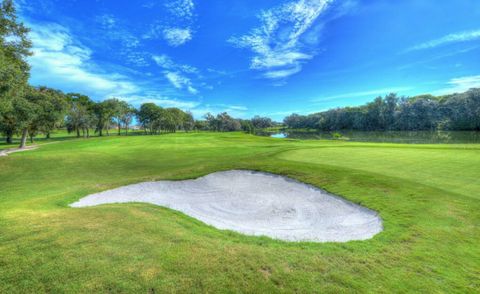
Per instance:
{"type": "Point", "coordinates": [254, 203]}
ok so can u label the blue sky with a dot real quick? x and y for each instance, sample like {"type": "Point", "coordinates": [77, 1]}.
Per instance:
{"type": "Point", "coordinates": [253, 57]}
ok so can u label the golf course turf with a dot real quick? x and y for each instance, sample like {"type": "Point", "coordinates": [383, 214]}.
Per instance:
{"type": "Point", "coordinates": [428, 197]}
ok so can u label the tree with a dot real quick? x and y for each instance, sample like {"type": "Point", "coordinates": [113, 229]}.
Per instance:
{"type": "Point", "coordinates": [247, 126]}
{"type": "Point", "coordinates": [175, 119]}
{"type": "Point", "coordinates": [294, 121]}
{"type": "Point", "coordinates": [25, 111]}
{"type": "Point", "coordinates": [80, 115]}
{"type": "Point", "coordinates": [52, 106]}
{"type": "Point", "coordinates": [126, 116]}
{"type": "Point", "coordinates": [259, 122]}
{"type": "Point", "coordinates": [212, 122]}
{"type": "Point", "coordinates": [149, 116]}
{"type": "Point", "coordinates": [227, 123]}
{"type": "Point", "coordinates": [188, 121]}
{"type": "Point", "coordinates": [14, 69]}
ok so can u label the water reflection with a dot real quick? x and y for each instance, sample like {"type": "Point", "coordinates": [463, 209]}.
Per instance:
{"type": "Point", "coordinates": [413, 137]}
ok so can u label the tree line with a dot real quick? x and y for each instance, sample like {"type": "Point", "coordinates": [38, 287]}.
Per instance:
{"type": "Point", "coordinates": [459, 111]}
{"type": "Point", "coordinates": [28, 111]}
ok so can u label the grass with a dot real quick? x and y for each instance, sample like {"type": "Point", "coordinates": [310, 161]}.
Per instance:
{"type": "Point", "coordinates": [427, 196]}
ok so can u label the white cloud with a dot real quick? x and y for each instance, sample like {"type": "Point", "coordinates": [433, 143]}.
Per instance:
{"type": "Point", "coordinates": [180, 81]}
{"type": "Point", "coordinates": [280, 44]}
{"type": "Point", "coordinates": [165, 62]}
{"type": "Point", "coordinates": [237, 111]}
{"type": "Point", "coordinates": [283, 73]}
{"type": "Point", "coordinates": [461, 84]}
{"type": "Point", "coordinates": [181, 8]}
{"type": "Point", "coordinates": [176, 73]}
{"type": "Point", "coordinates": [107, 21]}
{"type": "Point", "coordinates": [62, 62]}
{"type": "Point", "coordinates": [383, 91]}
{"type": "Point", "coordinates": [448, 39]}
{"type": "Point", "coordinates": [176, 26]}
{"type": "Point", "coordinates": [164, 102]}
{"type": "Point", "coordinates": [177, 36]}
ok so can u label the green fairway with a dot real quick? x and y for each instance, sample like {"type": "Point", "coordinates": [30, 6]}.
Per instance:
{"type": "Point", "coordinates": [427, 195]}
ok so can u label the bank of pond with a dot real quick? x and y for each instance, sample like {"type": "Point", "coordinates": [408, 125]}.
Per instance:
{"type": "Point", "coordinates": [412, 137]}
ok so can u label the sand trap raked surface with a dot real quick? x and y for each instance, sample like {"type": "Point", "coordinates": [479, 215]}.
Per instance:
{"type": "Point", "coordinates": [254, 203]}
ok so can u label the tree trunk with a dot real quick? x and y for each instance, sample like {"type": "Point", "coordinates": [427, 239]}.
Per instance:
{"type": "Point", "coordinates": [9, 138]}
{"type": "Point", "coordinates": [78, 132]}
{"type": "Point", "coordinates": [23, 142]}
{"type": "Point", "coordinates": [31, 139]}
{"type": "Point", "coordinates": [88, 133]}
{"type": "Point", "coordinates": [100, 132]}
{"type": "Point", "coordinates": [126, 130]}
{"type": "Point", "coordinates": [119, 128]}
{"type": "Point", "coordinates": [108, 134]}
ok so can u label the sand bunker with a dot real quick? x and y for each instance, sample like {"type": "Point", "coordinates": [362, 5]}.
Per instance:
{"type": "Point", "coordinates": [254, 203]}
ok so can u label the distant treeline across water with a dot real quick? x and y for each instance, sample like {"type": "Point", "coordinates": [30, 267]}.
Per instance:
{"type": "Point", "coordinates": [460, 111]}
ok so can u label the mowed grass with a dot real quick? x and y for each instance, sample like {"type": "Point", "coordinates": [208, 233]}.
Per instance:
{"type": "Point", "coordinates": [427, 195]}
{"type": "Point", "coordinates": [454, 168]}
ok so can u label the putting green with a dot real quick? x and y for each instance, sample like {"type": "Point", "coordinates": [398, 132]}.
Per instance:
{"type": "Point", "coordinates": [453, 168]}
{"type": "Point", "coordinates": [427, 197]}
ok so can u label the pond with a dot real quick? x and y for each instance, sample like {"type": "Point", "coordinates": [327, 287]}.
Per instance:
{"type": "Point", "coordinates": [412, 137]}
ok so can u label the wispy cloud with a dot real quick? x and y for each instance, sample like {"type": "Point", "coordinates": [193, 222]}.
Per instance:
{"type": "Point", "coordinates": [237, 111]}
{"type": "Point", "coordinates": [163, 101]}
{"type": "Point", "coordinates": [128, 46]}
{"type": "Point", "coordinates": [107, 21]}
{"type": "Point", "coordinates": [383, 91]}
{"type": "Point", "coordinates": [280, 45]}
{"type": "Point", "coordinates": [176, 73]}
{"type": "Point", "coordinates": [59, 60]}
{"type": "Point", "coordinates": [460, 84]}
{"type": "Point", "coordinates": [448, 39]}
{"type": "Point", "coordinates": [181, 8]}
{"type": "Point", "coordinates": [180, 81]}
{"type": "Point", "coordinates": [177, 36]}
{"type": "Point", "coordinates": [178, 30]}
{"type": "Point", "coordinates": [165, 62]}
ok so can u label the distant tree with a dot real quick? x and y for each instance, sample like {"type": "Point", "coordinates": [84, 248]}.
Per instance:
{"type": "Point", "coordinates": [259, 122]}
{"type": "Point", "coordinates": [201, 125]}
{"type": "Point", "coordinates": [52, 110]}
{"type": "Point", "coordinates": [149, 116]}
{"type": "Point", "coordinates": [80, 114]}
{"type": "Point", "coordinates": [188, 121]}
{"type": "Point", "coordinates": [175, 119]}
{"type": "Point", "coordinates": [247, 126]}
{"type": "Point", "coordinates": [295, 121]}
{"type": "Point", "coordinates": [25, 113]}
{"type": "Point", "coordinates": [227, 123]}
{"type": "Point", "coordinates": [106, 111]}
{"type": "Point", "coordinates": [212, 122]}
{"type": "Point", "coordinates": [126, 116]}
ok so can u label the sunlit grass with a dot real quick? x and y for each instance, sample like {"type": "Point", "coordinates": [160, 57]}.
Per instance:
{"type": "Point", "coordinates": [426, 195]}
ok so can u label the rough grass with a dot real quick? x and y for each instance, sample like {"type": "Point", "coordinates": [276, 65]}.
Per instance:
{"type": "Point", "coordinates": [426, 195]}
